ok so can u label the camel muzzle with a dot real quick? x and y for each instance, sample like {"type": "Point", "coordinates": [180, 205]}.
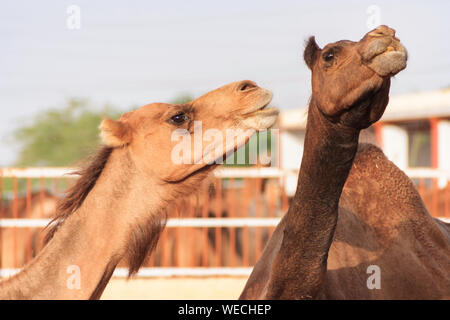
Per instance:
{"type": "Point", "coordinates": [382, 52]}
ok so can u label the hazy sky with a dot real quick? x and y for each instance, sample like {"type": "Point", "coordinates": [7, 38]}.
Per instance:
{"type": "Point", "coordinates": [131, 53]}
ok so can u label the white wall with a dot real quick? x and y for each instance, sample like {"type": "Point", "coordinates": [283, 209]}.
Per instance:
{"type": "Point", "coordinates": [291, 145]}
{"type": "Point", "coordinates": [395, 145]}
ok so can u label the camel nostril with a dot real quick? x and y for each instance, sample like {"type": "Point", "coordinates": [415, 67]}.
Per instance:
{"type": "Point", "coordinates": [246, 86]}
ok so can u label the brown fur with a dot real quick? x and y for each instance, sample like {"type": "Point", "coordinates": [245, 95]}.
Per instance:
{"type": "Point", "coordinates": [76, 194]}
{"type": "Point", "coordinates": [116, 209]}
{"type": "Point", "coordinates": [325, 242]}
{"type": "Point", "coordinates": [143, 238]}
{"type": "Point", "coordinates": [382, 221]}
{"type": "Point", "coordinates": [107, 274]}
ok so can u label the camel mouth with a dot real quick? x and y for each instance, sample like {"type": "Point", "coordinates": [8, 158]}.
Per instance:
{"type": "Point", "coordinates": [256, 109]}
{"type": "Point", "coordinates": [261, 116]}
{"type": "Point", "coordinates": [263, 111]}
{"type": "Point", "coordinates": [261, 119]}
{"type": "Point", "coordinates": [259, 107]}
{"type": "Point", "coordinates": [390, 61]}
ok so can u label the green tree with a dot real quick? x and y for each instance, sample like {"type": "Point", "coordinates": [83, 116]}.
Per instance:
{"type": "Point", "coordinates": [61, 137]}
{"type": "Point", "coordinates": [182, 98]}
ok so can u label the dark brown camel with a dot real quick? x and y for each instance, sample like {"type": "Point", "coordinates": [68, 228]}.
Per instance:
{"type": "Point", "coordinates": [383, 225]}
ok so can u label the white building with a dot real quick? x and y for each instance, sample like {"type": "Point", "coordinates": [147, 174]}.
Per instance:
{"type": "Point", "coordinates": [413, 132]}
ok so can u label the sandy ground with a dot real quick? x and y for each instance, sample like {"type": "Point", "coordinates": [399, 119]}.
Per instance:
{"type": "Point", "coordinates": [182, 288]}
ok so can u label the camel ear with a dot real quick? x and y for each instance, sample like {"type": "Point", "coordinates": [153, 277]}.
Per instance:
{"type": "Point", "coordinates": [115, 133]}
{"type": "Point", "coordinates": [311, 49]}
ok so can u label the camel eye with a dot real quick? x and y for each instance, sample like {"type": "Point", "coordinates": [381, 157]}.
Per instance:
{"type": "Point", "coordinates": [179, 119]}
{"type": "Point", "coordinates": [328, 56]}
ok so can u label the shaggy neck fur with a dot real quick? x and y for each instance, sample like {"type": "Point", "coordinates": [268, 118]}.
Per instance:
{"type": "Point", "coordinates": [118, 215]}
{"type": "Point", "coordinates": [329, 151]}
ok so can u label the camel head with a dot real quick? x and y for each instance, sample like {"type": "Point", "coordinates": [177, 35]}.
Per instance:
{"type": "Point", "coordinates": [351, 80]}
{"type": "Point", "coordinates": [174, 142]}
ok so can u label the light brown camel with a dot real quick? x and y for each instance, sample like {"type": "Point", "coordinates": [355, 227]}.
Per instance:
{"type": "Point", "coordinates": [116, 208]}
{"type": "Point", "coordinates": [378, 241]}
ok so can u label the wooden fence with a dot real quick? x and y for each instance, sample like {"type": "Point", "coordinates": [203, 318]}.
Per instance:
{"type": "Point", "coordinates": [222, 229]}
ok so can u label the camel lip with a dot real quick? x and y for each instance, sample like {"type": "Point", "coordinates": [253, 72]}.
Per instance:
{"type": "Point", "coordinates": [259, 107]}
{"type": "Point", "coordinates": [390, 62]}
{"type": "Point", "coordinates": [380, 46]}
{"type": "Point", "coordinates": [263, 110]}
{"type": "Point", "coordinates": [389, 50]}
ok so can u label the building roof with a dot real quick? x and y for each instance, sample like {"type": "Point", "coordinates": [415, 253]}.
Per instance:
{"type": "Point", "coordinates": [420, 105]}
{"type": "Point", "coordinates": [292, 119]}
{"type": "Point", "coordinates": [404, 107]}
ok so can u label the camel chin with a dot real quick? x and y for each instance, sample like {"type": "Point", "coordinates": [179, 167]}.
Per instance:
{"type": "Point", "coordinates": [261, 119]}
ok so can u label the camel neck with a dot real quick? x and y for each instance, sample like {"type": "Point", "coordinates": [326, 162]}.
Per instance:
{"type": "Point", "coordinates": [82, 255]}
{"type": "Point", "coordinates": [329, 150]}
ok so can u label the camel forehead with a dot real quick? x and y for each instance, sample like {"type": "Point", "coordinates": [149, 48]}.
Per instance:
{"type": "Point", "coordinates": [159, 107]}
{"type": "Point", "coordinates": [226, 90]}
{"type": "Point", "coordinates": [150, 110]}
{"type": "Point", "coordinates": [341, 43]}
{"type": "Point", "coordinates": [154, 107]}
{"type": "Point", "coordinates": [210, 99]}
{"type": "Point", "coordinates": [217, 93]}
